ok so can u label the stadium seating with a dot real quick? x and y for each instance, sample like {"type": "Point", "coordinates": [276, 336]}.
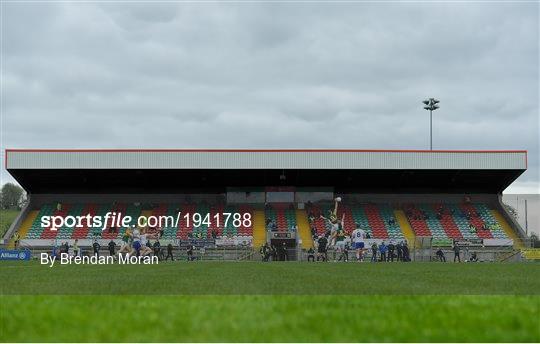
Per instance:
{"type": "Point", "coordinates": [316, 222]}
{"type": "Point", "coordinates": [417, 220]}
{"type": "Point", "coordinates": [125, 210]}
{"type": "Point", "coordinates": [65, 232]}
{"type": "Point", "coordinates": [461, 222]}
{"type": "Point", "coordinates": [476, 220]}
{"type": "Point", "coordinates": [443, 222]}
{"type": "Point", "coordinates": [282, 214]}
{"type": "Point", "coordinates": [440, 237]}
{"type": "Point", "coordinates": [454, 221]}
{"type": "Point", "coordinates": [49, 233]}
{"type": "Point", "coordinates": [447, 222]}
{"type": "Point", "coordinates": [94, 231]}
{"type": "Point", "coordinates": [35, 230]}
{"type": "Point", "coordinates": [82, 232]}
{"type": "Point", "coordinates": [184, 227]}
{"type": "Point", "coordinates": [377, 220]}
{"type": "Point", "coordinates": [486, 215]}
{"type": "Point", "coordinates": [360, 219]}
{"type": "Point", "coordinates": [169, 230]}
{"type": "Point", "coordinates": [392, 226]}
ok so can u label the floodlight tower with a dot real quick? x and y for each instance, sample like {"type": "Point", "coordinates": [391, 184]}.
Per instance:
{"type": "Point", "coordinates": [431, 105]}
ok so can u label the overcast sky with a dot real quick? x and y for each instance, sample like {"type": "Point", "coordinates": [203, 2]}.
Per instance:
{"type": "Point", "coordinates": [261, 75]}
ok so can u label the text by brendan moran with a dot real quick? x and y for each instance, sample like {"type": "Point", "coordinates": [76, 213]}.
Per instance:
{"type": "Point", "coordinates": [65, 259]}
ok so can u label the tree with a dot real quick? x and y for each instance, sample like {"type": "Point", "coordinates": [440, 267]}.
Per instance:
{"type": "Point", "coordinates": [11, 196]}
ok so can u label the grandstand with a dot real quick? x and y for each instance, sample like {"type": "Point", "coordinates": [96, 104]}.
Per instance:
{"type": "Point", "coordinates": [393, 195]}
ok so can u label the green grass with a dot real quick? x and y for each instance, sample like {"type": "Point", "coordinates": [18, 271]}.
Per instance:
{"type": "Point", "coordinates": [242, 278]}
{"type": "Point", "coordinates": [298, 302]}
{"type": "Point", "coordinates": [6, 218]}
{"type": "Point", "coordinates": [282, 318]}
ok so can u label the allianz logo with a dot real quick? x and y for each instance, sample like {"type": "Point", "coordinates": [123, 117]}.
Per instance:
{"type": "Point", "coordinates": [19, 255]}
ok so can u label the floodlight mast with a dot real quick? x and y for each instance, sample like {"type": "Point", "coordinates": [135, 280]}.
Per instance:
{"type": "Point", "coordinates": [431, 105]}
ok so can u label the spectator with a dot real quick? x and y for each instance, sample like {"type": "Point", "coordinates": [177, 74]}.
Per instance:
{"type": "Point", "coordinates": [322, 250]}
{"type": "Point", "coordinates": [76, 247]}
{"type": "Point", "coordinates": [284, 253]}
{"type": "Point", "coordinates": [399, 249]}
{"type": "Point", "coordinates": [274, 253]}
{"type": "Point", "coordinates": [405, 248]}
{"type": "Point", "coordinates": [391, 248]}
{"type": "Point", "coordinates": [440, 255]}
{"type": "Point", "coordinates": [473, 258]}
{"type": "Point", "coordinates": [265, 252]}
{"type": "Point", "coordinates": [456, 252]}
{"type": "Point", "coordinates": [157, 249]}
{"type": "Point", "coordinates": [374, 249]}
{"type": "Point", "coordinates": [190, 249]}
{"type": "Point", "coordinates": [111, 245]}
{"type": "Point", "coordinates": [261, 252]}
{"type": "Point", "coordinates": [311, 255]}
{"type": "Point", "coordinates": [16, 240]}
{"type": "Point", "coordinates": [169, 252]}
{"type": "Point", "coordinates": [202, 252]}
{"type": "Point", "coordinates": [345, 254]}
{"type": "Point", "coordinates": [382, 250]}
{"type": "Point", "coordinates": [54, 252]}
{"type": "Point", "coordinates": [96, 246]}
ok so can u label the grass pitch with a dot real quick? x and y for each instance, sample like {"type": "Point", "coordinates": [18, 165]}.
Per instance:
{"type": "Point", "coordinates": [250, 301]}
{"type": "Point", "coordinates": [7, 216]}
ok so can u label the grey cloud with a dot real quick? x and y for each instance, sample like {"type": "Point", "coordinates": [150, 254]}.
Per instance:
{"type": "Point", "coordinates": [271, 75]}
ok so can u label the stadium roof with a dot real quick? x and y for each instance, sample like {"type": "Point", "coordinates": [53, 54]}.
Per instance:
{"type": "Point", "coordinates": [490, 171]}
{"type": "Point", "coordinates": [267, 159]}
